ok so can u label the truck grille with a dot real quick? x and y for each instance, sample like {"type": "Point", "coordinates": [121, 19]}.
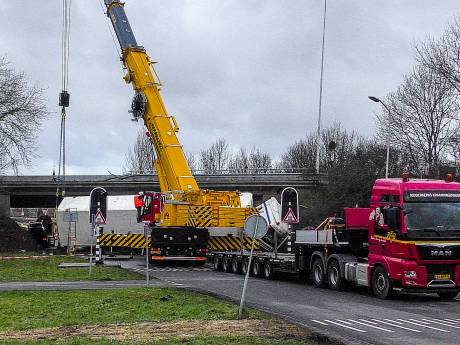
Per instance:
{"type": "Point", "coordinates": [433, 252]}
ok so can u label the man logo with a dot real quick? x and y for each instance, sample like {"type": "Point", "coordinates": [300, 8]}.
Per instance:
{"type": "Point", "coordinates": [444, 252]}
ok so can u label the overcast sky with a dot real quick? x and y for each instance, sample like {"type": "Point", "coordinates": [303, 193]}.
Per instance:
{"type": "Point", "coordinates": [243, 70]}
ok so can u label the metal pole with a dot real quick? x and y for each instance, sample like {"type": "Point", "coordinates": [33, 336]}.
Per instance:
{"type": "Point", "coordinates": [91, 247]}
{"type": "Point", "coordinates": [388, 155]}
{"type": "Point", "coordinates": [318, 131]}
{"type": "Point", "coordinates": [147, 275]}
{"type": "Point", "coordinates": [246, 278]}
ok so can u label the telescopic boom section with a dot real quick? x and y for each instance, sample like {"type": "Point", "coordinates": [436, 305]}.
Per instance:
{"type": "Point", "coordinates": [173, 171]}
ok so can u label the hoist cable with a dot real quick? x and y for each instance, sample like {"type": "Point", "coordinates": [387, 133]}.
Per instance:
{"type": "Point", "coordinates": [103, 8]}
{"type": "Point", "coordinates": [65, 45]}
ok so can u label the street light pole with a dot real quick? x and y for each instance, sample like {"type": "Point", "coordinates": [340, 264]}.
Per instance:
{"type": "Point", "coordinates": [377, 100]}
{"type": "Point", "coordinates": [318, 131]}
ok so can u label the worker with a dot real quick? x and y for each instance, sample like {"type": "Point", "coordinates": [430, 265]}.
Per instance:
{"type": "Point", "coordinates": [139, 204]}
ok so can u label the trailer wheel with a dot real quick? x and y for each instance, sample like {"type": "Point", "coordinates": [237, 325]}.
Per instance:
{"type": "Point", "coordinates": [236, 265]}
{"type": "Point", "coordinates": [226, 264]}
{"type": "Point", "coordinates": [381, 284]}
{"type": "Point", "coordinates": [317, 273]}
{"type": "Point", "coordinates": [217, 263]}
{"type": "Point", "coordinates": [446, 295]}
{"type": "Point", "coordinates": [256, 268]}
{"type": "Point", "coordinates": [244, 266]}
{"type": "Point", "coordinates": [334, 278]}
{"type": "Point", "coordinates": [268, 270]}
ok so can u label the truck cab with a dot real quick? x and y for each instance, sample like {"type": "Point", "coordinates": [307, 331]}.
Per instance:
{"type": "Point", "coordinates": [414, 236]}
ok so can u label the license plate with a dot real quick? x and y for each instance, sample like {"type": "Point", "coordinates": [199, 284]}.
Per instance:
{"type": "Point", "coordinates": [442, 276]}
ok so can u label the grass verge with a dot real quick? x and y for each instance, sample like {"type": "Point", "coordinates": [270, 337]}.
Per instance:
{"type": "Point", "coordinates": [41, 309]}
{"type": "Point", "coordinates": [175, 341]}
{"type": "Point", "coordinates": [46, 269]}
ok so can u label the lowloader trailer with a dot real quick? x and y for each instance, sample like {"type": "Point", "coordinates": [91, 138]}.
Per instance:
{"type": "Point", "coordinates": [407, 240]}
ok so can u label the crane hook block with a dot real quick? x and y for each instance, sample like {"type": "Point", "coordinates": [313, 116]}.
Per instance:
{"type": "Point", "coordinates": [64, 99]}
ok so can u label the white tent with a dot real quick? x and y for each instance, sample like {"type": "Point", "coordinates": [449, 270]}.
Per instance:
{"type": "Point", "coordinates": [121, 218]}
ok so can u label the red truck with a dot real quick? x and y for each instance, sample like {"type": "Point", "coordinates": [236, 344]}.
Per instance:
{"type": "Point", "coordinates": [407, 240]}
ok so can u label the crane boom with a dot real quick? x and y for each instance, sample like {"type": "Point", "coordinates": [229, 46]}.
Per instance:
{"type": "Point", "coordinates": [172, 167]}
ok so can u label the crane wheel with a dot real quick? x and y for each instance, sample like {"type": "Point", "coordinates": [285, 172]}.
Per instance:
{"type": "Point", "coordinates": [236, 265]}
{"type": "Point", "coordinates": [217, 263]}
{"type": "Point", "coordinates": [227, 264]}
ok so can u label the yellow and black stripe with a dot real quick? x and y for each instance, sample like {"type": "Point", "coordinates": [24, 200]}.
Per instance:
{"type": "Point", "coordinates": [219, 243]}
{"type": "Point", "coordinates": [125, 241]}
{"type": "Point", "coordinates": [199, 216]}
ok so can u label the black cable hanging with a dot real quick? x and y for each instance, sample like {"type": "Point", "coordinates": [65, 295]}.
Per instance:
{"type": "Point", "coordinates": [64, 96]}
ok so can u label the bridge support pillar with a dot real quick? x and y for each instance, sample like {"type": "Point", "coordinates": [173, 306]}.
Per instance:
{"type": "Point", "coordinates": [4, 204]}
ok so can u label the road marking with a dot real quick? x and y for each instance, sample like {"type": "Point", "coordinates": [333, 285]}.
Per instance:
{"type": "Point", "coordinates": [388, 322]}
{"type": "Point", "coordinates": [452, 321]}
{"type": "Point", "coordinates": [441, 323]}
{"type": "Point", "coordinates": [345, 326]}
{"type": "Point", "coordinates": [321, 323]}
{"type": "Point", "coordinates": [420, 325]}
{"type": "Point", "coordinates": [448, 322]}
{"type": "Point", "coordinates": [364, 323]}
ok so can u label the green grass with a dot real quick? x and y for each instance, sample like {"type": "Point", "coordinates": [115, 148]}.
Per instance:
{"type": "Point", "coordinates": [188, 341]}
{"type": "Point", "coordinates": [42, 309]}
{"type": "Point", "coordinates": [46, 269]}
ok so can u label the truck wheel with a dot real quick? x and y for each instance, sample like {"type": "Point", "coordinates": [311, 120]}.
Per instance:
{"type": "Point", "coordinates": [448, 295]}
{"type": "Point", "coordinates": [244, 266]}
{"type": "Point", "coordinates": [256, 268]}
{"type": "Point", "coordinates": [217, 263]}
{"type": "Point", "coordinates": [236, 265]}
{"type": "Point", "coordinates": [226, 264]}
{"type": "Point", "coordinates": [334, 278]}
{"type": "Point", "coordinates": [268, 270]}
{"type": "Point", "coordinates": [317, 273]}
{"type": "Point", "coordinates": [381, 284]}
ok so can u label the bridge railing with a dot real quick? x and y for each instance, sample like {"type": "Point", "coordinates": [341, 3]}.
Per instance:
{"type": "Point", "coordinates": [237, 171]}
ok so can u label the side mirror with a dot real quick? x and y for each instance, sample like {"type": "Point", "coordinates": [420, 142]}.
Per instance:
{"type": "Point", "coordinates": [393, 218]}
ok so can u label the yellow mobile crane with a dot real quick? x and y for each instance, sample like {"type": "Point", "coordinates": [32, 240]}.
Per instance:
{"type": "Point", "coordinates": [187, 212]}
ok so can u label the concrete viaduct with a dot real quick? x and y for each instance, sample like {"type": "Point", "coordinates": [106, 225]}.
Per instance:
{"type": "Point", "coordinates": [40, 191]}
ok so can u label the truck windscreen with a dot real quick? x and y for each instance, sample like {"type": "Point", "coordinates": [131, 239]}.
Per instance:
{"type": "Point", "coordinates": [433, 219]}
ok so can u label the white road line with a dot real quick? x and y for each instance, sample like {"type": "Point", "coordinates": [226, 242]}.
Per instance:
{"type": "Point", "coordinates": [452, 321]}
{"type": "Point", "coordinates": [320, 322]}
{"type": "Point", "coordinates": [420, 325]}
{"type": "Point", "coordinates": [345, 326]}
{"type": "Point", "coordinates": [368, 325]}
{"type": "Point", "coordinates": [448, 322]}
{"type": "Point", "coordinates": [441, 323]}
{"type": "Point", "coordinates": [398, 326]}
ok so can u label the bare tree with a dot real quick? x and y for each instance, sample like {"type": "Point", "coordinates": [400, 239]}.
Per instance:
{"type": "Point", "coordinates": [253, 161]}
{"type": "Point", "coordinates": [191, 160]}
{"type": "Point", "coordinates": [422, 118]}
{"type": "Point", "coordinates": [215, 158]}
{"type": "Point", "coordinates": [442, 55]}
{"type": "Point", "coordinates": [260, 160]}
{"type": "Point", "coordinates": [239, 163]}
{"type": "Point", "coordinates": [141, 157]}
{"type": "Point", "coordinates": [22, 111]}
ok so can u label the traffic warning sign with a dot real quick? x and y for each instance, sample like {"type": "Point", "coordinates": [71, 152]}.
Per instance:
{"type": "Point", "coordinates": [99, 218]}
{"type": "Point", "coordinates": [290, 206]}
{"type": "Point", "coordinates": [290, 217]}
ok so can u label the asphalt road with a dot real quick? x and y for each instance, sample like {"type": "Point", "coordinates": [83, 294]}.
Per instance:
{"type": "Point", "coordinates": [354, 317]}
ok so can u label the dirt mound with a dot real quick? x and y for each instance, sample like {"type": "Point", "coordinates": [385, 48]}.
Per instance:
{"type": "Point", "coordinates": [13, 238]}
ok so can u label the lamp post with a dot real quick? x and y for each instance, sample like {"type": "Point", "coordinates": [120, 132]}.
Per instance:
{"type": "Point", "coordinates": [377, 100]}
